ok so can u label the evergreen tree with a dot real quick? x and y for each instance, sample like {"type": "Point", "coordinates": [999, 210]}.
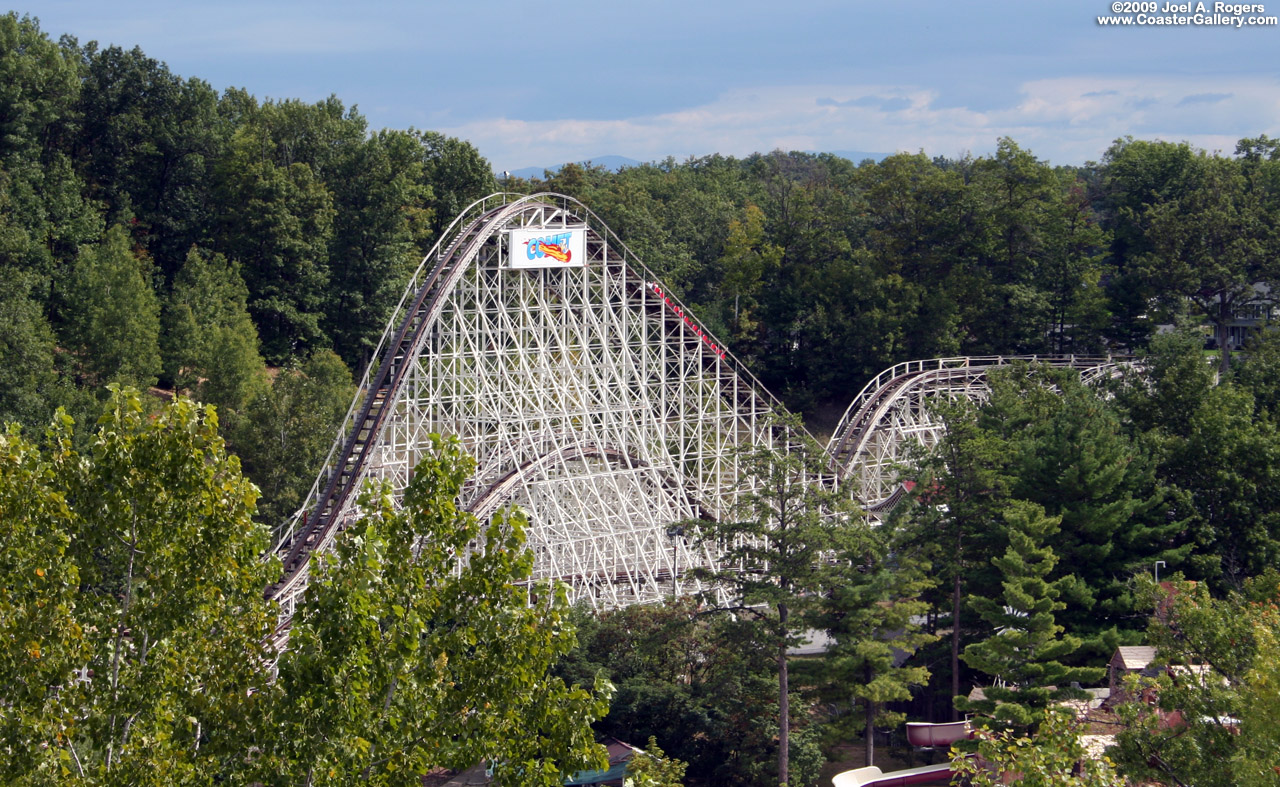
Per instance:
{"type": "Point", "coordinates": [1023, 655]}
{"type": "Point", "coordinates": [1069, 452]}
{"type": "Point", "coordinates": [956, 519]}
{"type": "Point", "coordinates": [872, 614]}
{"type": "Point", "coordinates": [112, 316]}
{"type": "Point", "coordinates": [774, 547]}
{"type": "Point", "coordinates": [210, 344]}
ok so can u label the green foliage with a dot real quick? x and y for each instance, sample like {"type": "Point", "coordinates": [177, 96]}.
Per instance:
{"type": "Point", "coordinates": [112, 322]}
{"type": "Point", "coordinates": [398, 663]}
{"type": "Point", "coordinates": [380, 231]}
{"type": "Point", "coordinates": [956, 521]}
{"type": "Point", "coordinates": [774, 547]}
{"type": "Point", "coordinates": [1215, 456]}
{"type": "Point", "coordinates": [286, 431]}
{"type": "Point", "coordinates": [1260, 702]}
{"type": "Point", "coordinates": [1214, 656]}
{"type": "Point", "coordinates": [210, 344]}
{"type": "Point", "coordinates": [37, 88]}
{"type": "Point", "coordinates": [277, 223]}
{"type": "Point", "coordinates": [26, 355]}
{"type": "Point", "coordinates": [1068, 451]}
{"type": "Point", "coordinates": [455, 172]}
{"type": "Point", "coordinates": [1023, 654]}
{"type": "Point", "coordinates": [872, 614]}
{"type": "Point", "coordinates": [1053, 757]}
{"type": "Point", "coordinates": [133, 605]}
{"type": "Point", "coordinates": [1211, 244]}
{"type": "Point", "coordinates": [134, 635]}
{"type": "Point", "coordinates": [705, 686]}
{"type": "Point", "coordinates": [652, 768]}
{"type": "Point", "coordinates": [41, 641]}
{"type": "Point", "coordinates": [145, 146]}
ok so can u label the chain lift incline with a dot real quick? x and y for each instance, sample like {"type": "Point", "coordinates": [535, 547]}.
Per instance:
{"type": "Point", "coordinates": [593, 399]}
{"type": "Point", "coordinates": [588, 395]}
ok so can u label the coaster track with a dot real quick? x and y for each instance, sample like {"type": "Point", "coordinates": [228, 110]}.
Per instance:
{"type": "Point", "coordinates": [588, 395]}
{"type": "Point", "coordinates": [893, 412]}
{"type": "Point", "coordinates": [593, 399]}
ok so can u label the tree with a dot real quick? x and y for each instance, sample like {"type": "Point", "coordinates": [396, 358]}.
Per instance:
{"type": "Point", "coordinates": [135, 641]}
{"type": "Point", "coordinates": [285, 431]}
{"type": "Point", "coordinates": [1068, 451]}
{"type": "Point", "coordinates": [746, 259]}
{"type": "Point", "coordinates": [41, 641]}
{"type": "Point", "coordinates": [956, 519]}
{"type": "Point", "coordinates": [211, 344]}
{"type": "Point", "coordinates": [145, 144]}
{"type": "Point", "coordinates": [1053, 757]}
{"type": "Point", "coordinates": [872, 615]}
{"type": "Point", "coordinates": [134, 603]}
{"type": "Point", "coordinates": [112, 315]}
{"type": "Point", "coordinates": [381, 230]}
{"type": "Point", "coordinates": [1215, 458]}
{"type": "Point", "coordinates": [775, 545]}
{"type": "Point", "coordinates": [277, 220]}
{"type": "Point", "coordinates": [37, 87]}
{"type": "Point", "coordinates": [1023, 653]}
{"type": "Point", "coordinates": [1210, 246]}
{"type": "Point", "coordinates": [1260, 701]}
{"type": "Point", "coordinates": [456, 173]}
{"type": "Point", "coordinates": [419, 644]}
{"type": "Point", "coordinates": [1214, 656]}
{"type": "Point", "coordinates": [703, 685]}
{"type": "Point", "coordinates": [1007, 308]}
{"type": "Point", "coordinates": [652, 768]}
{"type": "Point", "coordinates": [1136, 173]}
{"type": "Point", "coordinates": [26, 354]}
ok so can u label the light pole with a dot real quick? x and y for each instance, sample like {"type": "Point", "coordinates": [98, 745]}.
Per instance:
{"type": "Point", "coordinates": [1159, 563]}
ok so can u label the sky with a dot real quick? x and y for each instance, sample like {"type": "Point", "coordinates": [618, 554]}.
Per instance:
{"type": "Point", "coordinates": [542, 83]}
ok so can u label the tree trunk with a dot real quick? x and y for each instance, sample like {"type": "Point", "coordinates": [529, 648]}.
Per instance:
{"type": "Point", "coordinates": [955, 646]}
{"type": "Point", "coordinates": [871, 730]}
{"type": "Point", "coordinates": [1222, 332]}
{"type": "Point", "coordinates": [784, 707]}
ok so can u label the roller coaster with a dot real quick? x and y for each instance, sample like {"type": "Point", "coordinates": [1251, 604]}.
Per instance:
{"type": "Point", "coordinates": [592, 398]}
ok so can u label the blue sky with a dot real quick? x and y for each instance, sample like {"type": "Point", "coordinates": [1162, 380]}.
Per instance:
{"type": "Point", "coordinates": [537, 84]}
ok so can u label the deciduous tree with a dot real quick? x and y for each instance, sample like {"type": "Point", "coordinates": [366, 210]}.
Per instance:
{"type": "Point", "coordinates": [419, 645]}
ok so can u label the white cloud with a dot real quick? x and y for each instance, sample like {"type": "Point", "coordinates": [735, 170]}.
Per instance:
{"type": "Point", "coordinates": [1064, 120]}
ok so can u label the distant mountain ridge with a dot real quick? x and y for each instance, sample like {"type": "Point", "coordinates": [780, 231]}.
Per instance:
{"type": "Point", "coordinates": [615, 163]}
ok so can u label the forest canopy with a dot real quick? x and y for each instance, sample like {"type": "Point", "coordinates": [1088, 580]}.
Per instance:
{"type": "Point", "coordinates": [246, 252]}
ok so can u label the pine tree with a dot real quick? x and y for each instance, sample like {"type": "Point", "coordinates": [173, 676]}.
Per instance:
{"type": "Point", "coordinates": [112, 314]}
{"type": "Point", "coordinates": [1022, 656]}
{"type": "Point", "coordinates": [211, 344]}
{"type": "Point", "coordinates": [956, 520]}
{"type": "Point", "coordinates": [871, 615]}
{"type": "Point", "coordinates": [777, 541]}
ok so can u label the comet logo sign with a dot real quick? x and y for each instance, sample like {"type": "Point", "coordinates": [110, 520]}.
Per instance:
{"type": "Point", "coordinates": [542, 248]}
{"type": "Point", "coordinates": [556, 251]}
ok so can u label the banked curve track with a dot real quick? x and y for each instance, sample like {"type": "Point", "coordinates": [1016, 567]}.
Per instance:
{"type": "Point", "coordinates": [893, 413]}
